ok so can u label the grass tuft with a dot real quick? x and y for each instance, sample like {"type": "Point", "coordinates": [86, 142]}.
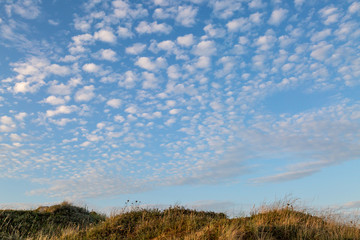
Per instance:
{"type": "Point", "coordinates": [276, 222]}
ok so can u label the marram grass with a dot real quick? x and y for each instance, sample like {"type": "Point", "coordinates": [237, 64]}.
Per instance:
{"type": "Point", "coordinates": [67, 222]}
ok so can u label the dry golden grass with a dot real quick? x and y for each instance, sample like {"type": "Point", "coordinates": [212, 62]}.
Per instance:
{"type": "Point", "coordinates": [278, 221]}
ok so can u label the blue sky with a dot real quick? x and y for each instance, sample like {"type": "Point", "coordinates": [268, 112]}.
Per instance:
{"type": "Point", "coordinates": [217, 104]}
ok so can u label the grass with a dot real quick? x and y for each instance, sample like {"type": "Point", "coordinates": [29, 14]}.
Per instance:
{"type": "Point", "coordinates": [67, 222]}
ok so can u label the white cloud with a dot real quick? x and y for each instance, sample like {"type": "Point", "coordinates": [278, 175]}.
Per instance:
{"type": "Point", "coordinates": [62, 121]}
{"type": "Point", "coordinates": [151, 81]}
{"type": "Point", "coordinates": [146, 63]}
{"type": "Point", "coordinates": [173, 72]}
{"type": "Point", "coordinates": [61, 110]}
{"type": "Point", "coordinates": [186, 15]}
{"type": "Point", "coordinates": [321, 51]}
{"type": "Point", "coordinates": [53, 100]}
{"type": "Point", "coordinates": [267, 41]}
{"type": "Point", "coordinates": [91, 67]}
{"type": "Point", "coordinates": [124, 32]}
{"type": "Point", "coordinates": [167, 45]}
{"type": "Point", "coordinates": [299, 3]}
{"type": "Point", "coordinates": [239, 24]}
{"type": "Point", "coordinates": [162, 3]}
{"type": "Point", "coordinates": [205, 48]}
{"type": "Point", "coordinates": [20, 116]}
{"type": "Point", "coordinates": [85, 94]}
{"type": "Point", "coordinates": [203, 62]}
{"type": "Point", "coordinates": [186, 40]}
{"type": "Point", "coordinates": [115, 103]}
{"type": "Point", "coordinates": [129, 80]}
{"type": "Point", "coordinates": [216, 106]}
{"type": "Point", "coordinates": [24, 87]}
{"type": "Point", "coordinates": [136, 48]}
{"type": "Point", "coordinates": [131, 109]}
{"type": "Point", "coordinates": [28, 9]}
{"type": "Point", "coordinates": [7, 124]}
{"type": "Point", "coordinates": [225, 8]}
{"type": "Point", "coordinates": [256, 4]}
{"type": "Point", "coordinates": [119, 118]}
{"type": "Point", "coordinates": [354, 7]}
{"type": "Point", "coordinates": [154, 27]}
{"type": "Point", "coordinates": [59, 89]}
{"type": "Point", "coordinates": [256, 18]}
{"type": "Point", "coordinates": [329, 15]}
{"type": "Point", "coordinates": [85, 144]}
{"type": "Point", "coordinates": [107, 54]}
{"type": "Point", "coordinates": [105, 36]}
{"type": "Point", "coordinates": [161, 13]}
{"type": "Point", "coordinates": [53, 22]}
{"type": "Point", "coordinates": [277, 16]}
{"type": "Point", "coordinates": [174, 111]}
{"type": "Point", "coordinates": [15, 137]}
{"type": "Point", "coordinates": [318, 36]}
{"type": "Point", "coordinates": [58, 70]}
{"type": "Point", "coordinates": [170, 121]}
{"type": "Point", "coordinates": [214, 32]}
{"type": "Point", "coordinates": [6, 120]}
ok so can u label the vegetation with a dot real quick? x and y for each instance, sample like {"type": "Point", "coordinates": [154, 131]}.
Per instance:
{"type": "Point", "coordinates": [68, 222]}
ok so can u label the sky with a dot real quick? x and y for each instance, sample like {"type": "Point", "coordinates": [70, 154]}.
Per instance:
{"type": "Point", "coordinates": [215, 104]}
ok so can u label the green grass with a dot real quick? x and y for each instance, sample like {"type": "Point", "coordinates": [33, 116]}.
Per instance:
{"type": "Point", "coordinates": [67, 222]}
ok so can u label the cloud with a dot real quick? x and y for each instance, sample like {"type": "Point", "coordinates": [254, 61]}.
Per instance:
{"type": "Point", "coordinates": [186, 15]}
{"type": "Point", "coordinates": [128, 80]}
{"type": "Point", "coordinates": [105, 36]}
{"type": "Point", "coordinates": [91, 68]}
{"type": "Point", "coordinates": [24, 87]}
{"type": "Point", "coordinates": [59, 89]}
{"type": "Point", "coordinates": [284, 177]}
{"type": "Point", "coordinates": [318, 36]}
{"type": "Point", "coordinates": [61, 110]}
{"type": "Point", "coordinates": [203, 62]}
{"type": "Point", "coordinates": [299, 3]}
{"type": "Point", "coordinates": [321, 51]}
{"type": "Point", "coordinates": [329, 15]}
{"type": "Point", "coordinates": [354, 8]}
{"type": "Point", "coordinates": [267, 41]}
{"type": "Point", "coordinates": [257, 4]}
{"type": "Point", "coordinates": [58, 70]}
{"type": "Point", "coordinates": [161, 13]}
{"type": "Point", "coordinates": [114, 103]}
{"type": "Point", "coordinates": [151, 82]}
{"type": "Point", "coordinates": [53, 22]}
{"type": "Point", "coordinates": [85, 94]}
{"type": "Point", "coordinates": [277, 16]}
{"type": "Point", "coordinates": [53, 100]}
{"type": "Point", "coordinates": [211, 31]}
{"type": "Point", "coordinates": [154, 27]}
{"type": "Point", "coordinates": [28, 9]}
{"type": "Point", "coordinates": [147, 64]}
{"type": "Point", "coordinates": [20, 116]}
{"type": "Point", "coordinates": [32, 73]}
{"type": "Point", "coordinates": [239, 24]}
{"type": "Point", "coordinates": [186, 40]}
{"type": "Point", "coordinates": [136, 48]}
{"type": "Point", "coordinates": [15, 137]}
{"type": "Point", "coordinates": [106, 54]}
{"type": "Point", "coordinates": [124, 32]}
{"type": "Point", "coordinates": [205, 48]}
{"type": "Point", "coordinates": [173, 72]}
{"type": "Point", "coordinates": [225, 8]}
